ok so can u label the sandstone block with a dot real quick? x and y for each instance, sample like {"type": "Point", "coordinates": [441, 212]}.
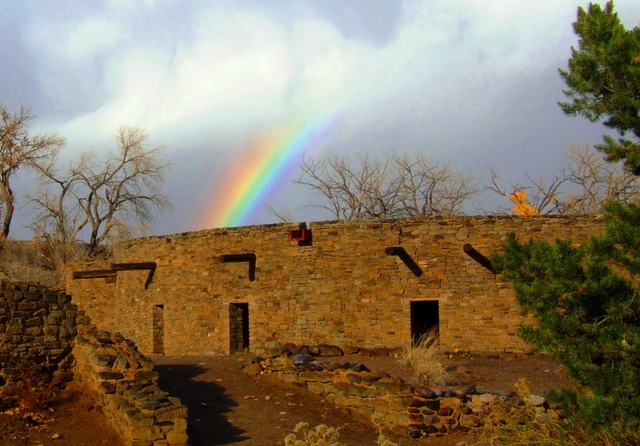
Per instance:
{"type": "Point", "coordinates": [252, 369]}
{"type": "Point", "coordinates": [452, 402]}
{"type": "Point", "coordinates": [171, 413]}
{"type": "Point", "coordinates": [176, 438]}
{"type": "Point", "coordinates": [398, 388]}
{"type": "Point", "coordinates": [146, 433]}
{"type": "Point", "coordinates": [470, 421]}
{"type": "Point", "coordinates": [110, 375]}
{"type": "Point", "coordinates": [316, 388]}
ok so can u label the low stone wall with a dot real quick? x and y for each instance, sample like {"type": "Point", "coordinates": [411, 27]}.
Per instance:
{"type": "Point", "coordinates": [412, 410]}
{"type": "Point", "coordinates": [44, 335]}
{"type": "Point", "coordinates": [127, 387]}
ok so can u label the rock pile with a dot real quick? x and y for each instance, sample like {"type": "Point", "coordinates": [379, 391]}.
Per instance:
{"type": "Point", "coordinates": [127, 387]}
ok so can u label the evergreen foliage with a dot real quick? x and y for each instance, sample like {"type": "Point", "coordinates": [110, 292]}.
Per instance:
{"type": "Point", "coordinates": [586, 303]}
{"type": "Point", "coordinates": [585, 298]}
{"type": "Point", "coordinates": [604, 80]}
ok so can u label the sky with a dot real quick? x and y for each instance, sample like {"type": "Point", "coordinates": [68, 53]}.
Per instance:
{"type": "Point", "coordinates": [475, 82]}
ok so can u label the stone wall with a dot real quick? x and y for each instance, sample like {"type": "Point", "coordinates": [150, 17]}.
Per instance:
{"type": "Point", "coordinates": [37, 329]}
{"type": "Point", "coordinates": [43, 333]}
{"type": "Point", "coordinates": [353, 283]}
{"type": "Point", "coordinates": [412, 410]}
{"type": "Point", "coordinates": [126, 385]}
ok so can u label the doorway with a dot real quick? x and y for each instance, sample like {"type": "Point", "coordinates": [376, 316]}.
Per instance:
{"type": "Point", "coordinates": [158, 329]}
{"type": "Point", "coordinates": [238, 327]}
{"type": "Point", "coordinates": [424, 318]}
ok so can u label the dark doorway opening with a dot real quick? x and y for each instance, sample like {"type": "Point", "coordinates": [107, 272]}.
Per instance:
{"type": "Point", "coordinates": [238, 327]}
{"type": "Point", "coordinates": [158, 329]}
{"type": "Point", "coordinates": [424, 318]}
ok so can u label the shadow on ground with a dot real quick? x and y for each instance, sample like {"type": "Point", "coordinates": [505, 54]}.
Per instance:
{"type": "Point", "coordinates": [207, 403]}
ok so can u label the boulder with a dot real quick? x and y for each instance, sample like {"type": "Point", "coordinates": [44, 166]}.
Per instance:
{"type": "Point", "coordinates": [329, 350]}
{"type": "Point", "coordinates": [350, 349]}
{"type": "Point", "coordinates": [380, 352]}
{"type": "Point", "coordinates": [253, 369]}
{"type": "Point", "coordinates": [302, 359]}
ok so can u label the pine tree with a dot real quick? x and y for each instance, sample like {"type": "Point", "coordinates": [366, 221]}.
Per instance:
{"type": "Point", "coordinates": [585, 298]}
{"type": "Point", "coordinates": [588, 314]}
{"type": "Point", "coordinates": [604, 80]}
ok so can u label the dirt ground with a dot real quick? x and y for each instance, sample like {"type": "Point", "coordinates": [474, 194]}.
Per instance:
{"type": "Point", "coordinates": [74, 420]}
{"type": "Point", "coordinates": [227, 407]}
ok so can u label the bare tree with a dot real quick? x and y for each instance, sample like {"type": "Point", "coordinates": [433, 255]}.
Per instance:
{"type": "Point", "coordinates": [283, 215]}
{"type": "Point", "coordinates": [582, 186]}
{"type": "Point", "coordinates": [394, 187]}
{"type": "Point", "coordinates": [102, 196]}
{"type": "Point", "coordinates": [544, 196]}
{"type": "Point", "coordinates": [428, 187]}
{"type": "Point", "coordinates": [19, 149]}
{"type": "Point", "coordinates": [346, 188]}
{"type": "Point", "coordinates": [596, 181]}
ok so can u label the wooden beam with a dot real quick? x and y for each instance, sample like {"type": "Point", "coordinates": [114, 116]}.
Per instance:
{"type": "Point", "coordinates": [475, 255]}
{"type": "Point", "coordinates": [110, 274]}
{"type": "Point", "coordinates": [151, 266]}
{"type": "Point", "coordinates": [228, 258]}
{"type": "Point", "coordinates": [405, 257]}
{"type": "Point", "coordinates": [133, 266]}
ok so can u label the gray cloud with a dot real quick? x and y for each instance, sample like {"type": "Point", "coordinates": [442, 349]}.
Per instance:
{"type": "Point", "coordinates": [475, 81]}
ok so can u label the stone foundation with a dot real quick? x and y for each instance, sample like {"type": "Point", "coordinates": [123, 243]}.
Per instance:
{"type": "Point", "coordinates": [412, 410]}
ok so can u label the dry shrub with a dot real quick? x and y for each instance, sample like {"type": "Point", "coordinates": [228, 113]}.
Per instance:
{"type": "Point", "coordinates": [378, 421]}
{"type": "Point", "coordinates": [323, 435]}
{"type": "Point", "coordinates": [320, 435]}
{"type": "Point", "coordinates": [29, 391]}
{"type": "Point", "coordinates": [527, 425]}
{"type": "Point", "coordinates": [424, 357]}
{"type": "Point", "coordinates": [20, 261]}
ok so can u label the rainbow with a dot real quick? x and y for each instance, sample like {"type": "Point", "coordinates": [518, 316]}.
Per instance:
{"type": "Point", "coordinates": [258, 170]}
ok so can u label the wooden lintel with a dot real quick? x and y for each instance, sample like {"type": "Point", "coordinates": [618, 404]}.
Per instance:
{"type": "Point", "coordinates": [110, 274]}
{"type": "Point", "coordinates": [133, 266]}
{"type": "Point", "coordinates": [95, 274]}
{"type": "Point", "coordinates": [249, 257]}
{"type": "Point", "coordinates": [139, 266]}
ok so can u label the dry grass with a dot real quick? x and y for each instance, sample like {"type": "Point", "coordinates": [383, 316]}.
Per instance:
{"type": "Point", "coordinates": [41, 263]}
{"type": "Point", "coordinates": [323, 435]}
{"type": "Point", "coordinates": [20, 261]}
{"type": "Point", "coordinates": [530, 425]}
{"type": "Point", "coordinates": [428, 364]}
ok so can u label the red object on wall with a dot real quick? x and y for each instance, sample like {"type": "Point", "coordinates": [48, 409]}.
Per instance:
{"type": "Point", "coordinates": [300, 235]}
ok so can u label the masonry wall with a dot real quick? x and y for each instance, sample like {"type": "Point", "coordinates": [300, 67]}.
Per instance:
{"type": "Point", "coordinates": [342, 288]}
{"type": "Point", "coordinates": [37, 328]}
{"type": "Point", "coordinates": [43, 333]}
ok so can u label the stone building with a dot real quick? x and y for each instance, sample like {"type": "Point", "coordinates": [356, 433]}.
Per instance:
{"type": "Point", "coordinates": [362, 283]}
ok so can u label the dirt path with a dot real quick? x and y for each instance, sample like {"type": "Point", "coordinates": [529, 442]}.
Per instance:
{"type": "Point", "coordinates": [228, 407]}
